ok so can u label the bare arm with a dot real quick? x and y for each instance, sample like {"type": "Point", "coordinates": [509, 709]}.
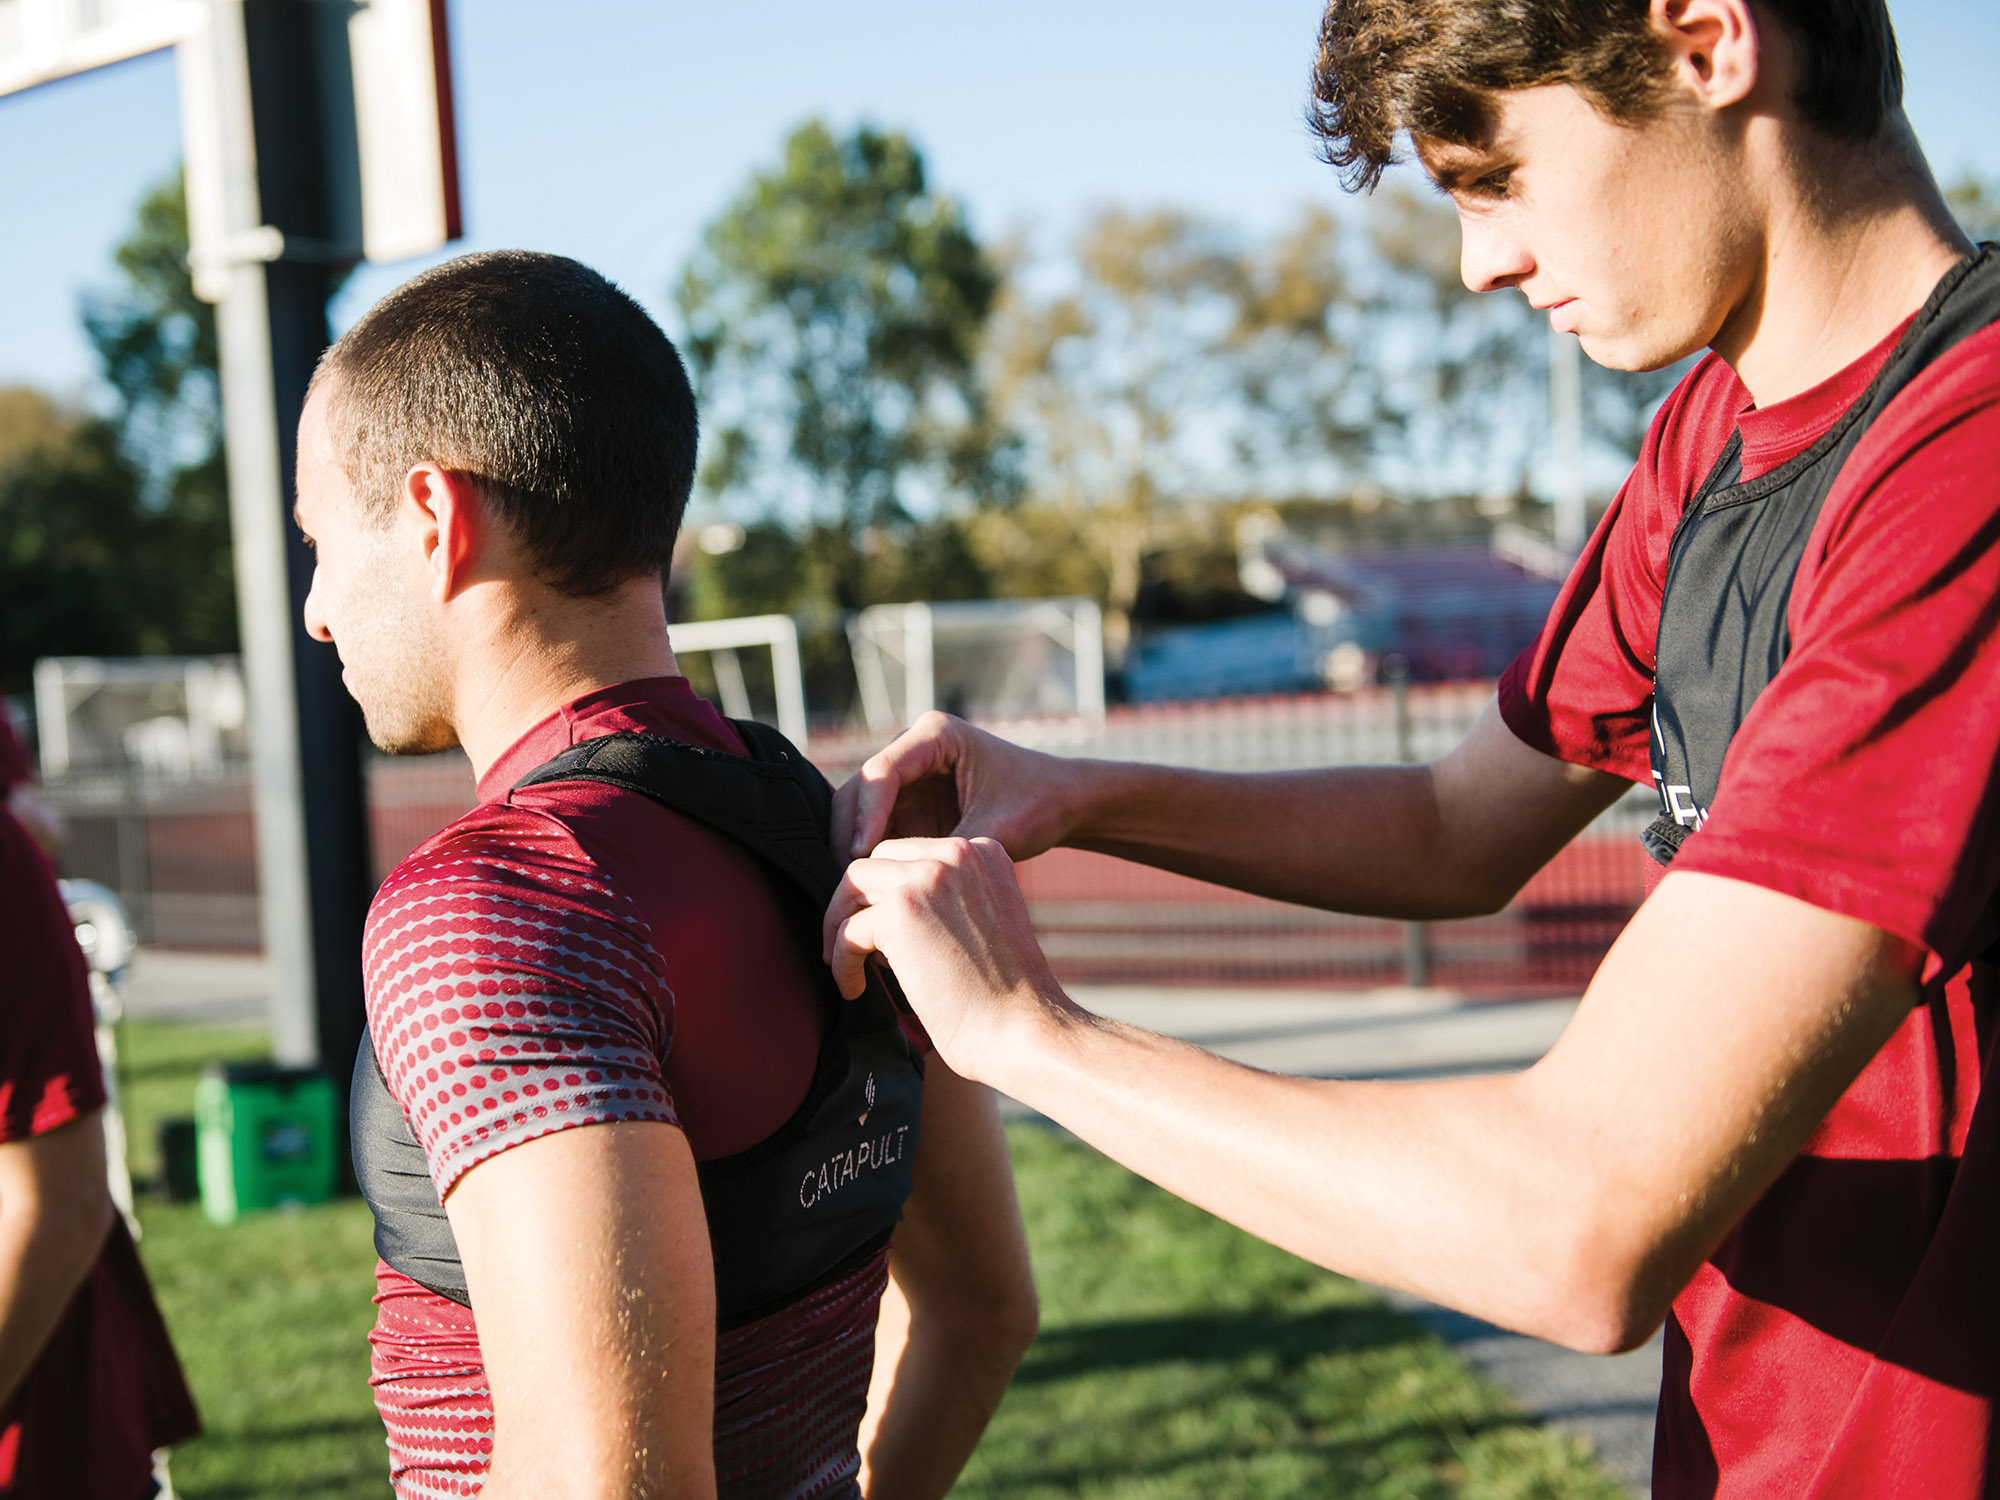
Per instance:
{"type": "Point", "coordinates": [960, 1310]}
{"type": "Point", "coordinates": [1457, 838]}
{"type": "Point", "coordinates": [55, 1210]}
{"type": "Point", "coordinates": [1572, 1201]}
{"type": "Point", "coordinates": [586, 1254]}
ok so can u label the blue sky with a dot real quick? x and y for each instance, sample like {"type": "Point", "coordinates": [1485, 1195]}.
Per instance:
{"type": "Point", "coordinates": [612, 130]}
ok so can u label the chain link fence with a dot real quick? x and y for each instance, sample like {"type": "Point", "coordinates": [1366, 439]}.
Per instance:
{"type": "Point", "coordinates": [182, 854]}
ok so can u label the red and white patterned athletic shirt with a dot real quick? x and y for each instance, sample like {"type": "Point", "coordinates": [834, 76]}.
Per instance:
{"type": "Point", "coordinates": [574, 954]}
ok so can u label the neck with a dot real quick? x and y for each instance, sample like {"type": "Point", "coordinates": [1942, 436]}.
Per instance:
{"type": "Point", "coordinates": [1850, 249]}
{"type": "Point", "coordinates": [536, 650]}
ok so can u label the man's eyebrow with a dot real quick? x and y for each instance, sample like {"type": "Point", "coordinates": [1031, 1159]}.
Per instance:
{"type": "Point", "coordinates": [1449, 177]}
{"type": "Point", "coordinates": [1448, 165]}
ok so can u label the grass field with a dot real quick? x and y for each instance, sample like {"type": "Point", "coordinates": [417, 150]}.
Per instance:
{"type": "Point", "coordinates": [1179, 1358]}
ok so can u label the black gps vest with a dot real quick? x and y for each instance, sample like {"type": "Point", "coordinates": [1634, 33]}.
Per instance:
{"type": "Point", "coordinates": [813, 1201]}
{"type": "Point", "coordinates": [1736, 553]}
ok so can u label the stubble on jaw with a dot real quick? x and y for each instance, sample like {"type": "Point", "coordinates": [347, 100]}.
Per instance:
{"type": "Point", "coordinates": [397, 666]}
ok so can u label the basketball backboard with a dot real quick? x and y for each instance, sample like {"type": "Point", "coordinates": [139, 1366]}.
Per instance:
{"type": "Point", "coordinates": [388, 142]}
{"type": "Point", "coordinates": [42, 40]}
{"type": "Point", "coordinates": [400, 168]}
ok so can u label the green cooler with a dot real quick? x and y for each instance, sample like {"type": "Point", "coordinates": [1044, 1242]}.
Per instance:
{"type": "Point", "coordinates": [264, 1136]}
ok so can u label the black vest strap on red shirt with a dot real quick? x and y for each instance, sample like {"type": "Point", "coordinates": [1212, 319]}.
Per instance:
{"type": "Point", "coordinates": [1735, 555]}
{"type": "Point", "coordinates": [814, 1200]}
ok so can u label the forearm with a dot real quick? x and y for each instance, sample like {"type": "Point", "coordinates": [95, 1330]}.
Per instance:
{"type": "Point", "coordinates": [1362, 839]}
{"type": "Point", "coordinates": [1453, 839]}
{"type": "Point", "coordinates": [1571, 1201]}
{"type": "Point", "coordinates": [52, 1230]}
{"type": "Point", "coordinates": [937, 1383]}
{"type": "Point", "coordinates": [1461, 1191]}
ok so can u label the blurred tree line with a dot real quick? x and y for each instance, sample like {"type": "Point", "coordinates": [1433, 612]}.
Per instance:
{"type": "Point", "coordinates": [114, 526]}
{"type": "Point", "coordinates": [894, 411]}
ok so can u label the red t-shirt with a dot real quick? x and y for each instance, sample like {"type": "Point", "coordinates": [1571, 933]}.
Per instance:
{"type": "Point", "coordinates": [14, 766]}
{"type": "Point", "coordinates": [1844, 1340]}
{"type": "Point", "coordinates": [107, 1389]}
{"type": "Point", "coordinates": [572, 954]}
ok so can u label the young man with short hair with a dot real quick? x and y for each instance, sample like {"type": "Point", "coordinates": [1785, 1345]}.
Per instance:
{"type": "Point", "coordinates": [1765, 1125]}
{"type": "Point", "coordinates": [633, 1177]}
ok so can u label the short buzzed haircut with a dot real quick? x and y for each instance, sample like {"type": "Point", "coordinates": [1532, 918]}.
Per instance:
{"type": "Point", "coordinates": [546, 385]}
{"type": "Point", "coordinates": [1432, 67]}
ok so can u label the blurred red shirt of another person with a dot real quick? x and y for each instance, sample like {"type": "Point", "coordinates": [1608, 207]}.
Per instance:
{"type": "Point", "coordinates": [14, 767]}
{"type": "Point", "coordinates": [107, 1388]}
{"type": "Point", "coordinates": [18, 792]}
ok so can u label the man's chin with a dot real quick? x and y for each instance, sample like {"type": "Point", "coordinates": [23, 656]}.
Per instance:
{"type": "Point", "coordinates": [409, 739]}
{"type": "Point", "coordinates": [1632, 354]}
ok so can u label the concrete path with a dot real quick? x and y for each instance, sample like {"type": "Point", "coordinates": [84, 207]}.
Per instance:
{"type": "Point", "coordinates": [1371, 1034]}
{"type": "Point", "coordinates": [216, 989]}
{"type": "Point", "coordinates": [1425, 1034]}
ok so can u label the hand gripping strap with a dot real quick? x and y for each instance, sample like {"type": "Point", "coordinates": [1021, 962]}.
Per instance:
{"type": "Point", "coordinates": [776, 805]}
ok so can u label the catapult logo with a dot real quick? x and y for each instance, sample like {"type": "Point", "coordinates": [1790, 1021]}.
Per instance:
{"type": "Point", "coordinates": [844, 1167]}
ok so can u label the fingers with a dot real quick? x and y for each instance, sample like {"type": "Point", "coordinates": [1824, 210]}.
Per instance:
{"type": "Point", "coordinates": [848, 931]}
{"type": "Point", "coordinates": [846, 808]}
{"type": "Point", "coordinates": [867, 881]}
{"type": "Point", "coordinates": [947, 851]}
{"type": "Point", "coordinates": [862, 809]}
{"type": "Point", "coordinates": [848, 950]}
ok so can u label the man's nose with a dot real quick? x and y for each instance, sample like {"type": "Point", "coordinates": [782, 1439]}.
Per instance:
{"type": "Point", "coordinates": [316, 616]}
{"type": "Point", "coordinates": [1490, 254]}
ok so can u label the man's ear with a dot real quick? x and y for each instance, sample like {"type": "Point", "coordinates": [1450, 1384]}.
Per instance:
{"type": "Point", "coordinates": [1715, 46]}
{"type": "Point", "coordinates": [450, 522]}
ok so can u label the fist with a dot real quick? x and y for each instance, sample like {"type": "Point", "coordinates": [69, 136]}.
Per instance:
{"type": "Point", "coordinates": [948, 916]}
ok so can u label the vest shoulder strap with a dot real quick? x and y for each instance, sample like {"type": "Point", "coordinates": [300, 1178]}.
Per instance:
{"type": "Point", "coordinates": [773, 801]}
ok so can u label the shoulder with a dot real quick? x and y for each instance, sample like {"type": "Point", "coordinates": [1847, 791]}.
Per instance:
{"type": "Point", "coordinates": [1924, 472]}
{"type": "Point", "coordinates": [497, 852]}
{"type": "Point", "coordinates": [1691, 428]}
{"type": "Point", "coordinates": [46, 968]}
{"type": "Point", "coordinates": [13, 754]}
{"type": "Point", "coordinates": [1961, 390]}
{"type": "Point", "coordinates": [508, 898]}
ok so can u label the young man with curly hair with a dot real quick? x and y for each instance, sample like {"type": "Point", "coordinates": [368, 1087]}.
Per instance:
{"type": "Point", "coordinates": [1765, 1125]}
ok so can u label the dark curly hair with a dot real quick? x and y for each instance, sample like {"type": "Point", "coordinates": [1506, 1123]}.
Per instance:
{"type": "Point", "coordinates": [1430, 67]}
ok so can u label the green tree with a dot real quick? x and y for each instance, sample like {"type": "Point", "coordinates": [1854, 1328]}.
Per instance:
{"type": "Point", "coordinates": [156, 341]}
{"type": "Point", "coordinates": [82, 558]}
{"type": "Point", "coordinates": [834, 314]}
{"type": "Point", "coordinates": [1176, 367]}
{"type": "Point", "coordinates": [1976, 202]}
{"type": "Point", "coordinates": [114, 534]}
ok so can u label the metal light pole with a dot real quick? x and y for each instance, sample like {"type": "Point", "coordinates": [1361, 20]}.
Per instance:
{"type": "Point", "coordinates": [272, 74]}
{"type": "Point", "coordinates": [314, 132]}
